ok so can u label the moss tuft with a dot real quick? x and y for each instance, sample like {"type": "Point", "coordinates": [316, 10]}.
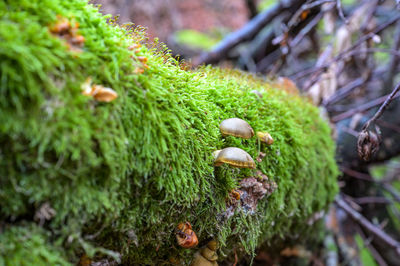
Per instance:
{"type": "Point", "coordinates": [121, 175]}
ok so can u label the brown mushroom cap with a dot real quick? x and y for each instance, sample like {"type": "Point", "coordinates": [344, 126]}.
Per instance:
{"type": "Point", "coordinates": [236, 127]}
{"type": "Point", "coordinates": [209, 254]}
{"type": "Point", "coordinates": [213, 245]}
{"type": "Point", "coordinates": [185, 236]}
{"type": "Point", "coordinates": [199, 260]}
{"type": "Point", "coordinates": [235, 157]}
{"type": "Point", "coordinates": [103, 94]}
{"type": "Point", "coordinates": [265, 137]}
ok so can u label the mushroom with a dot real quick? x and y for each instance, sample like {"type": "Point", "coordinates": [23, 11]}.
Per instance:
{"type": "Point", "coordinates": [185, 236]}
{"type": "Point", "coordinates": [98, 92]}
{"type": "Point", "coordinates": [215, 154]}
{"type": "Point", "coordinates": [104, 94]}
{"type": "Point", "coordinates": [236, 127]}
{"type": "Point", "coordinates": [207, 256]}
{"type": "Point", "coordinates": [235, 157]}
{"type": "Point", "coordinates": [265, 137]}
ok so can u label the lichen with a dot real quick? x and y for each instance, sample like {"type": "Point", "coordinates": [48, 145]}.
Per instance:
{"type": "Point", "coordinates": [121, 175]}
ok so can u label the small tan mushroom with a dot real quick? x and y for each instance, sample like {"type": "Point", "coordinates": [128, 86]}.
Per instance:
{"type": "Point", "coordinates": [87, 87]}
{"type": "Point", "coordinates": [207, 256]}
{"type": "Point", "coordinates": [103, 94]}
{"type": "Point", "coordinates": [185, 236]}
{"type": "Point", "coordinates": [236, 127]}
{"type": "Point", "coordinates": [98, 92]}
{"type": "Point", "coordinates": [215, 153]}
{"type": "Point", "coordinates": [235, 157]}
{"type": "Point", "coordinates": [265, 137]}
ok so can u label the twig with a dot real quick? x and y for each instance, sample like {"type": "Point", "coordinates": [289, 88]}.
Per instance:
{"type": "Point", "coordinates": [394, 61]}
{"type": "Point", "coordinates": [376, 231]}
{"type": "Point", "coordinates": [306, 29]}
{"type": "Point", "coordinates": [383, 107]}
{"type": "Point", "coordinates": [316, 77]}
{"type": "Point", "coordinates": [245, 33]}
{"type": "Point", "coordinates": [371, 200]}
{"type": "Point", "coordinates": [342, 55]}
{"type": "Point", "coordinates": [304, 7]}
{"type": "Point", "coordinates": [340, 11]}
{"type": "Point", "coordinates": [356, 174]}
{"type": "Point", "coordinates": [374, 252]}
{"type": "Point", "coordinates": [360, 108]}
{"type": "Point", "coordinates": [344, 91]}
{"type": "Point", "coordinates": [392, 191]}
{"type": "Point", "coordinates": [252, 7]}
{"type": "Point", "coordinates": [388, 125]}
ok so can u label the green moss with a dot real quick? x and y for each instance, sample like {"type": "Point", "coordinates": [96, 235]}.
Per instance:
{"type": "Point", "coordinates": [127, 172]}
{"type": "Point", "coordinates": [28, 245]}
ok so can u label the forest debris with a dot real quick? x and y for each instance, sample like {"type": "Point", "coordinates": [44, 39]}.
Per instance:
{"type": "Point", "coordinates": [84, 260]}
{"type": "Point", "coordinates": [297, 251]}
{"type": "Point", "coordinates": [68, 31]}
{"type": "Point", "coordinates": [367, 144]}
{"type": "Point", "coordinates": [288, 85]}
{"type": "Point", "coordinates": [325, 87]}
{"type": "Point", "coordinates": [254, 189]}
{"type": "Point", "coordinates": [44, 213]}
{"type": "Point", "coordinates": [260, 156]}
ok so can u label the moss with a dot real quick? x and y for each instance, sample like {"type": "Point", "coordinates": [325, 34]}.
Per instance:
{"type": "Point", "coordinates": [29, 245]}
{"type": "Point", "coordinates": [121, 175]}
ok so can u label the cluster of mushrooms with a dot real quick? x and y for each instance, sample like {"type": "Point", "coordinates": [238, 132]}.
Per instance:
{"type": "Point", "coordinates": [235, 157]}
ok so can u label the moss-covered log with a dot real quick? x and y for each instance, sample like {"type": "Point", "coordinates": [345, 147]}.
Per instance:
{"type": "Point", "coordinates": [80, 176]}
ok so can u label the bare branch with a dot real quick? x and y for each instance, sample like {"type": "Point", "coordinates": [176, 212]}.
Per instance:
{"type": "Point", "coordinates": [344, 91]}
{"type": "Point", "coordinates": [376, 231]}
{"type": "Point", "coordinates": [371, 200]}
{"type": "Point", "coordinates": [340, 11]}
{"type": "Point", "coordinates": [389, 188]}
{"type": "Point", "coordinates": [345, 53]}
{"type": "Point", "coordinates": [244, 34]}
{"type": "Point", "coordinates": [374, 252]}
{"type": "Point", "coordinates": [383, 107]}
{"type": "Point", "coordinates": [394, 61]}
{"type": "Point", "coordinates": [361, 108]}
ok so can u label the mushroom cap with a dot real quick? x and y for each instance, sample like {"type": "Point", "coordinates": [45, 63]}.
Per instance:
{"type": "Point", "coordinates": [103, 94]}
{"type": "Point", "coordinates": [265, 137]}
{"type": "Point", "coordinates": [236, 127]}
{"type": "Point", "coordinates": [209, 254]}
{"type": "Point", "coordinates": [215, 154]}
{"type": "Point", "coordinates": [185, 236]}
{"type": "Point", "coordinates": [235, 157]}
{"type": "Point", "coordinates": [199, 260]}
{"type": "Point", "coordinates": [213, 245]}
